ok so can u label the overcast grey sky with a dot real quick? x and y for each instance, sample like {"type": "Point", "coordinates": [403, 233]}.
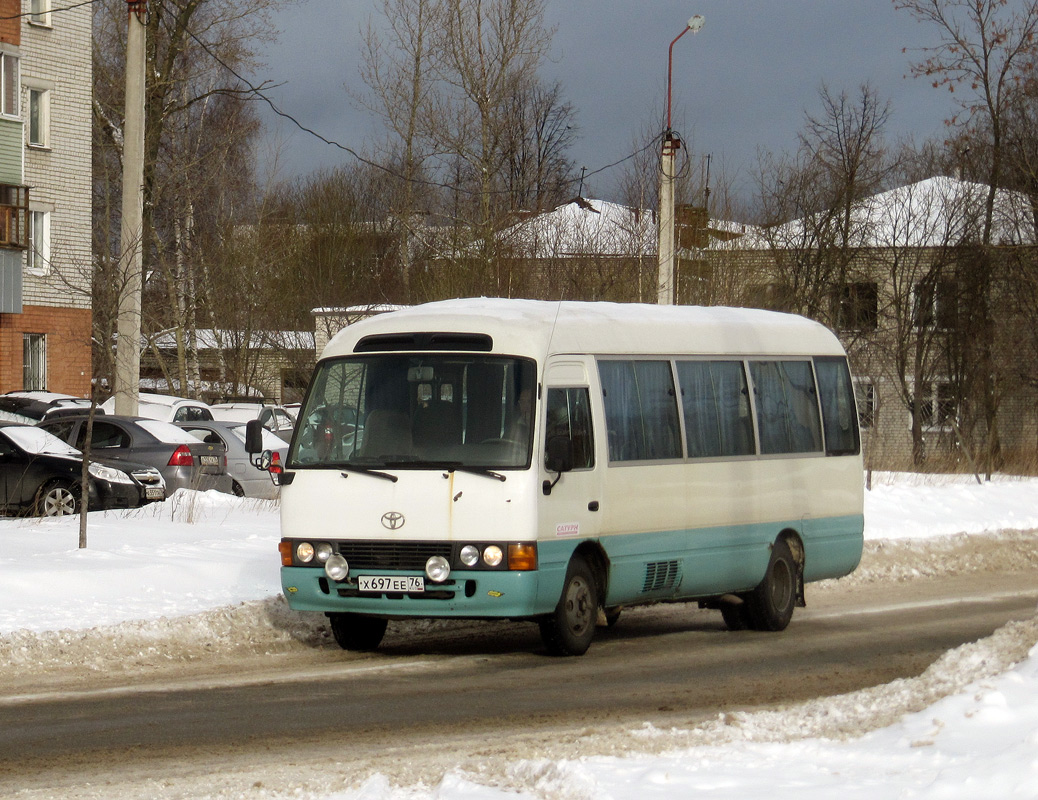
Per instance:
{"type": "Point", "coordinates": [742, 83]}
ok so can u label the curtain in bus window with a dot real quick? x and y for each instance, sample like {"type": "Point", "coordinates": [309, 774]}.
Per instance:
{"type": "Point", "coordinates": [641, 411]}
{"type": "Point", "coordinates": [787, 407]}
{"type": "Point", "coordinates": [839, 418]}
{"type": "Point", "coordinates": [569, 416]}
{"type": "Point", "coordinates": [717, 410]}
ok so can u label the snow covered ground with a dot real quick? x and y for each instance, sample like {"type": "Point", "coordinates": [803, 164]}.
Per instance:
{"type": "Point", "coordinates": [966, 728]}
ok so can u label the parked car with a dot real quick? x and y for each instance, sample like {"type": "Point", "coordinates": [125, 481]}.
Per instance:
{"type": "Point", "coordinates": [276, 419]}
{"type": "Point", "coordinates": [246, 480]}
{"type": "Point", "coordinates": [165, 407]}
{"type": "Point", "coordinates": [30, 407]}
{"type": "Point", "coordinates": [185, 462]}
{"type": "Point", "coordinates": [41, 474]}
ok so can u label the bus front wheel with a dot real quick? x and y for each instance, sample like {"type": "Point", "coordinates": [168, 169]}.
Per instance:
{"type": "Point", "coordinates": [569, 629]}
{"type": "Point", "coordinates": [354, 632]}
{"type": "Point", "coordinates": [770, 606]}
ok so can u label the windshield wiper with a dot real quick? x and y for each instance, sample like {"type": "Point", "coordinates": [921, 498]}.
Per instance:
{"type": "Point", "coordinates": [450, 466]}
{"type": "Point", "coordinates": [367, 471]}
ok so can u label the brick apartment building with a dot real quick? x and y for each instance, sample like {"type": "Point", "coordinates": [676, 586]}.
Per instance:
{"type": "Point", "coordinates": [45, 195]}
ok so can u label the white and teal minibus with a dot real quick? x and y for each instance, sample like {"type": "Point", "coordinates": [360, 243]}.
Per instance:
{"type": "Point", "coordinates": [559, 461]}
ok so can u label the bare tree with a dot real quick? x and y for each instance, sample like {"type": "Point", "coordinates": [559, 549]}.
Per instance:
{"type": "Point", "coordinates": [197, 141]}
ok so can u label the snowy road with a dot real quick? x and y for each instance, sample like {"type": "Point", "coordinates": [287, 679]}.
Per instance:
{"type": "Point", "coordinates": [464, 685]}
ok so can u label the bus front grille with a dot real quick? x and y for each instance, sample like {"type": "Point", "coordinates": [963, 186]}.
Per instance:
{"type": "Point", "coordinates": [392, 555]}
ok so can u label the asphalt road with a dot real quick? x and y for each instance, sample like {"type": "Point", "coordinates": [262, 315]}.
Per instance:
{"type": "Point", "coordinates": [661, 664]}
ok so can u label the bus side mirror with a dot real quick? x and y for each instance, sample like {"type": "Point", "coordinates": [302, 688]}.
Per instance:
{"type": "Point", "coordinates": [558, 458]}
{"type": "Point", "coordinates": [253, 436]}
{"type": "Point", "coordinates": [558, 454]}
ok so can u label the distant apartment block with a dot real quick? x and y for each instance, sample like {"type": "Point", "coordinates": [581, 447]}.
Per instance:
{"type": "Point", "coordinates": [45, 196]}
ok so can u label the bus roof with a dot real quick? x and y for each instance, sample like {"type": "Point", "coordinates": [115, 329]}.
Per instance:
{"type": "Point", "coordinates": [537, 328]}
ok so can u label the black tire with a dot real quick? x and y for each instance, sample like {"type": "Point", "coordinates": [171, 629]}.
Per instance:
{"type": "Point", "coordinates": [770, 606]}
{"type": "Point", "coordinates": [568, 631]}
{"type": "Point", "coordinates": [236, 489]}
{"type": "Point", "coordinates": [354, 632]}
{"type": "Point", "coordinates": [736, 616]}
{"type": "Point", "coordinates": [57, 499]}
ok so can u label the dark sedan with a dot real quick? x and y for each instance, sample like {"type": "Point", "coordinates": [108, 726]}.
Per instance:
{"type": "Point", "coordinates": [40, 474]}
{"type": "Point", "coordinates": [184, 461]}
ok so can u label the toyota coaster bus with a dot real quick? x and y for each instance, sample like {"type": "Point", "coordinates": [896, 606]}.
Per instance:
{"type": "Point", "coordinates": [559, 461]}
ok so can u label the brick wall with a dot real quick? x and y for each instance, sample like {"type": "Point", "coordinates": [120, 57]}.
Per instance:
{"type": "Point", "coordinates": [68, 348]}
{"type": "Point", "coordinates": [10, 22]}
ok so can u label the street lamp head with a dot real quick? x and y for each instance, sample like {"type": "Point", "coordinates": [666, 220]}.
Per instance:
{"type": "Point", "coordinates": [696, 23]}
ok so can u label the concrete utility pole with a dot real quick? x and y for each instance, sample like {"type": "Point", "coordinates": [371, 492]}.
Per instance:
{"type": "Point", "coordinates": [128, 325]}
{"type": "Point", "coordinates": [666, 289]}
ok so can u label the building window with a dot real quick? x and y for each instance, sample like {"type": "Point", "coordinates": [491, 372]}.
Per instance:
{"type": "Point", "coordinates": [865, 395]}
{"type": "Point", "coordinates": [937, 406]}
{"type": "Point", "coordinates": [39, 118]}
{"type": "Point", "coordinates": [935, 304]}
{"type": "Point", "coordinates": [856, 306]}
{"type": "Point", "coordinates": [34, 361]}
{"type": "Point", "coordinates": [39, 242]}
{"type": "Point", "coordinates": [39, 12]}
{"type": "Point", "coordinates": [9, 106]}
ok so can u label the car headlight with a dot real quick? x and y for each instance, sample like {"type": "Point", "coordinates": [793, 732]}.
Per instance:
{"type": "Point", "coordinates": [110, 474]}
{"type": "Point", "coordinates": [437, 568]}
{"type": "Point", "coordinates": [305, 552]}
{"type": "Point", "coordinates": [336, 568]}
{"type": "Point", "coordinates": [469, 555]}
{"type": "Point", "coordinates": [492, 555]}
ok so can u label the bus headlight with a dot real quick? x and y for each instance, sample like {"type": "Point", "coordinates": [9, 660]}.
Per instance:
{"type": "Point", "coordinates": [305, 552]}
{"type": "Point", "coordinates": [336, 568]}
{"type": "Point", "coordinates": [437, 568]}
{"type": "Point", "coordinates": [492, 555]}
{"type": "Point", "coordinates": [324, 552]}
{"type": "Point", "coordinates": [469, 555]}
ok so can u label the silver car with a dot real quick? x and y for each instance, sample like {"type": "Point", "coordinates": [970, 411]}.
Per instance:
{"type": "Point", "coordinates": [246, 480]}
{"type": "Point", "coordinates": [184, 461]}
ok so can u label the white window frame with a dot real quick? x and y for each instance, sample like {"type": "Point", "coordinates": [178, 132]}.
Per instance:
{"type": "Point", "coordinates": [865, 397]}
{"type": "Point", "coordinates": [34, 361]}
{"type": "Point", "coordinates": [934, 392]}
{"type": "Point", "coordinates": [39, 105]}
{"type": "Point", "coordinates": [10, 88]}
{"type": "Point", "coordinates": [37, 255]}
{"type": "Point", "coordinates": [39, 13]}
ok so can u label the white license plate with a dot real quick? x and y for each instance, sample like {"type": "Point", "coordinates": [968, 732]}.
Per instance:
{"type": "Point", "coordinates": [390, 583]}
{"type": "Point", "coordinates": [154, 492]}
{"type": "Point", "coordinates": [210, 461]}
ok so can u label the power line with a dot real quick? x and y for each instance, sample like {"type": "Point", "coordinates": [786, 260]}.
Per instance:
{"type": "Point", "coordinates": [258, 93]}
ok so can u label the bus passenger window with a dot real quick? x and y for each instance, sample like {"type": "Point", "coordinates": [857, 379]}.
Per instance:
{"type": "Point", "coordinates": [787, 407]}
{"type": "Point", "coordinates": [641, 410]}
{"type": "Point", "coordinates": [839, 419]}
{"type": "Point", "coordinates": [717, 414]}
{"type": "Point", "coordinates": [569, 416]}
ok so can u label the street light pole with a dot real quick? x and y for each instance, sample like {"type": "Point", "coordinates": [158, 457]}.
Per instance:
{"type": "Point", "coordinates": [128, 323]}
{"type": "Point", "coordinates": [666, 294]}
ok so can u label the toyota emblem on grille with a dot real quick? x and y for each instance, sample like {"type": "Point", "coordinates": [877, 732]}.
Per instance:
{"type": "Point", "coordinates": [393, 520]}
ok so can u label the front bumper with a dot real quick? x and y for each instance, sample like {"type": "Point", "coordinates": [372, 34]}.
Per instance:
{"type": "Point", "coordinates": [466, 594]}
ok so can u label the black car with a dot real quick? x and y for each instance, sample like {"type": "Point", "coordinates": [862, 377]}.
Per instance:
{"type": "Point", "coordinates": [40, 474]}
{"type": "Point", "coordinates": [31, 407]}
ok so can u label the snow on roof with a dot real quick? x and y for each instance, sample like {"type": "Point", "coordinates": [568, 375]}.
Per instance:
{"type": "Point", "coordinates": [583, 227]}
{"type": "Point", "coordinates": [935, 212]}
{"type": "Point", "coordinates": [210, 339]}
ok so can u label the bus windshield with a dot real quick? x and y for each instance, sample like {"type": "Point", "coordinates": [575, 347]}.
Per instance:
{"type": "Point", "coordinates": [417, 411]}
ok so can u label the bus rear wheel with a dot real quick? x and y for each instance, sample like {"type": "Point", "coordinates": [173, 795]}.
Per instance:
{"type": "Point", "coordinates": [569, 629]}
{"type": "Point", "coordinates": [354, 632]}
{"type": "Point", "coordinates": [769, 607]}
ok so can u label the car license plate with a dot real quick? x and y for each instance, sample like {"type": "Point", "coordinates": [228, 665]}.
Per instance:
{"type": "Point", "coordinates": [390, 583]}
{"type": "Point", "coordinates": [154, 493]}
{"type": "Point", "coordinates": [210, 461]}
